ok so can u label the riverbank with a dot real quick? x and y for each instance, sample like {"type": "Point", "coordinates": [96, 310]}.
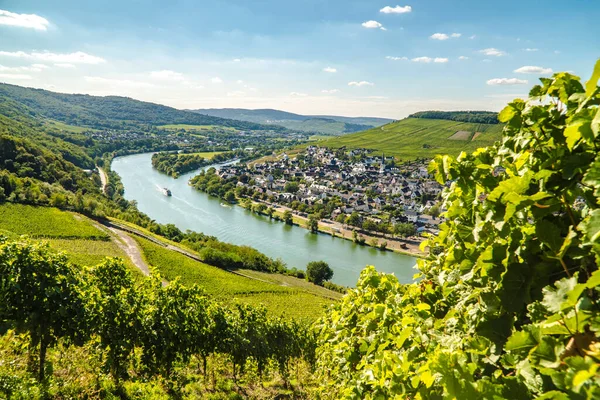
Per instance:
{"type": "Point", "coordinates": [335, 229]}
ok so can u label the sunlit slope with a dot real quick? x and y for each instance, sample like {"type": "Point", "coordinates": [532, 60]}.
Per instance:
{"type": "Point", "coordinates": [419, 137]}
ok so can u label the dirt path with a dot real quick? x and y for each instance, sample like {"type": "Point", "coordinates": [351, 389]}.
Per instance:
{"type": "Point", "coordinates": [131, 248]}
{"type": "Point", "coordinates": [103, 179]}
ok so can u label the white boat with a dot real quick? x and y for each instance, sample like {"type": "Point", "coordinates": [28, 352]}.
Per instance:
{"type": "Point", "coordinates": [166, 192]}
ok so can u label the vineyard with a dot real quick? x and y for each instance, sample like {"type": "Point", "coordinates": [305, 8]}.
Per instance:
{"type": "Point", "coordinates": [413, 138]}
{"type": "Point", "coordinates": [508, 304]}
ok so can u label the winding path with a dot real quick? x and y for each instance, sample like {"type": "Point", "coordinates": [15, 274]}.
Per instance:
{"type": "Point", "coordinates": [103, 178]}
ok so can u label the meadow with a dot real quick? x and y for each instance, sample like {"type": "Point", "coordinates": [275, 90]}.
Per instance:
{"type": "Point", "coordinates": [46, 222]}
{"type": "Point", "coordinates": [413, 138]}
{"type": "Point", "coordinates": [231, 288]}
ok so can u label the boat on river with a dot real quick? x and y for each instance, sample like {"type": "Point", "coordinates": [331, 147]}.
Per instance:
{"type": "Point", "coordinates": [166, 192]}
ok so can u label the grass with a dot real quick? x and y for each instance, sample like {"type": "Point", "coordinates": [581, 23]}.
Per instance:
{"type": "Point", "coordinates": [66, 127]}
{"type": "Point", "coordinates": [46, 222]}
{"type": "Point", "coordinates": [186, 127]}
{"type": "Point", "coordinates": [231, 288]}
{"type": "Point", "coordinates": [419, 137]}
{"type": "Point", "coordinates": [208, 155]}
{"type": "Point", "coordinates": [91, 252]}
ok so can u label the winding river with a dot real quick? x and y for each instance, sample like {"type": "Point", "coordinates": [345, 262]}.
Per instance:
{"type": "Point", "coordinates": [197, 211]}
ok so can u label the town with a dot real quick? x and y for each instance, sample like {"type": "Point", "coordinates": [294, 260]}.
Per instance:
{"type": "Point", "coordinates": [346, 189]}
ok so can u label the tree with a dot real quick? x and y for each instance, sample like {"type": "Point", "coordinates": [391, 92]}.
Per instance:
{"type": "Point", "coordinates": [313, 223]}
{"type": "Point", "coordinates": [288, 218]}
{"type": "Point", "coordinates": [117, 316]}
{"type": "Point", "coordinates": [353, 219]}
{"type": "Point", "coordinates": [369, 225]}
{"type": "Point", "coordinates": [435, 211]}
{"type": "Point", "coordinates": [291, 187]}
{"type": "Point", "coordinates": [229, 196]}
{"type": "Point", "coordinates": [405, 229]}
{"type": "Point", "coordinates": [43, 295]}
{"type": "Point", "coordinates": [318, 272]}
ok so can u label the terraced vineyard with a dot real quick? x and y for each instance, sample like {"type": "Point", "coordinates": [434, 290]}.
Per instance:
{"type": "Point", "coordinates": [231, 288]}
{"type": "Point", "coordinates": [419, 137]}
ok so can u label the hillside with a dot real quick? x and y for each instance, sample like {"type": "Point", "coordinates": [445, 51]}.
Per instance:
{"type": "Point", "coordinates": [420, 137]}
{"type": "Point", "coordinates": [323, 124]}
{"type": "Point", "coordinates": [106, 112]}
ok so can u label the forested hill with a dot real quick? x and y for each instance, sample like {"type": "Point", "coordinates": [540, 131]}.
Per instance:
{"type": "Point", "coordinates": [323, 124]}
{"type": "Point", "coordinates": [478, 117]}
{"type": "Point", "coordinates": [109, 111]}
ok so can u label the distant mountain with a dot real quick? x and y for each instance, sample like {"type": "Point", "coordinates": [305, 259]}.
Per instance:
{"type": "Point", "coordinates": [318, 124]}
{"type": "Point", "coordinates": [107, 112]}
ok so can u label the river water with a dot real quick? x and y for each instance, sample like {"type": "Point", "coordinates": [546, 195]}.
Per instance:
{"type": "Point", "coordinates": [197, 211]}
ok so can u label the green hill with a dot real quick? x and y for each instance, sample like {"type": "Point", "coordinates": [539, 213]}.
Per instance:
{"type": "Point", "coordinates": [420, 137]}
{"type": "Point", "coordinates": [107, 112]}
{"type": "Point", "coordinates": [317, 124]}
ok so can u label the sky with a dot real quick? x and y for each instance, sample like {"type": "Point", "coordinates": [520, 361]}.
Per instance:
{"type": "Point", "coordinates": [336, 57]}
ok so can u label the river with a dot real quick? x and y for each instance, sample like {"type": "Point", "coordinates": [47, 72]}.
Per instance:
{"type": "Point", "coordinates": [190, 209]}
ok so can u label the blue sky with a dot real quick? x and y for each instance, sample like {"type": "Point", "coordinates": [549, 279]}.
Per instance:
{"type": "Point", "coordinates": [351, 57]}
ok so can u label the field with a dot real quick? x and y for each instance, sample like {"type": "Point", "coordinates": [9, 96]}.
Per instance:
{"type": "Point", "coordinates": [45, 222]}
{"type": "Point", "coordinates": [66, 127]}
{"type": "Point", "coordinates": [231, 288]}
{"type": "Point", "coordinates": [419, 137]}
{"type": "Point", "coordinates": [195, 128]}
{"type": "Point", "coordinates": [83, 241]}
{"type": "Point", "coordinates": [209, 155]}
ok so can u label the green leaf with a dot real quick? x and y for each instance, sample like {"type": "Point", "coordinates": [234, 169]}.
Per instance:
{"type": "Point", "coordinates": [557, 298]}
{"type": "Point", "coordinates": [590, 226]}
{"type": "Point", "coordinates": [521, 342]}
{"type": "Point", "coordinates": [592, 84]}
{"type": "Point", "coordinates": [549, 234]}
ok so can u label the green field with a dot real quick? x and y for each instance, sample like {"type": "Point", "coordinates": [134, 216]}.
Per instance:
{"type": "Point", "coordinates": [419, 137]}
{"type": "Point", "coordinates": [196, 128]}
{"type": "Point", "coordinates": [230, 288]}
{"type": "Point", "coordinates": [209, 155]}
{"type": "Point", "coordinates": [66, 127]}
{"type": "Point", "coordinates": [46, 222]}
{"type": "Point", "coordinates": [79, 237]}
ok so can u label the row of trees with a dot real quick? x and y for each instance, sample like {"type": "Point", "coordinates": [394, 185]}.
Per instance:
{"type": "Point", "coordinates": [51, 300]}
{"type": "Point", "coordinates": [176, 164]}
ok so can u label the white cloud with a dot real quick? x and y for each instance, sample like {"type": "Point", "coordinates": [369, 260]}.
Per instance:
{"type": "Point", "coordinates": [422, 59]}
{"type": "Point", "coordinates": [396, 58]}
{"type": "Point", "coordinates": [463, 58]}
{"type": "Point", "coordinates": [373, 25]}
{"type": "Point", "coordinates": [15, 76]}
{"type": "Point", "coordinates": [239, 82]}
{"type": "Point", "coordinates": [237, 60]}
{"type": "Point", "coordinates": [456, 35]}
{"type": "Point", "coordinates": [530, 69]}
{"type": "Point", "coordinates": [530, 49]}
{"type": "Point", "coordinates": [472, 37]}
{"type": "Point", "coordinates": [117, 82]}
{"type": "Point", "coordinates": [296, 94]}
{"type": "Point", "coordinates": [78, 57]}
{"type": "Point", "coordinates": [329, 69]}
{"type": "Point", "coordinates": [506, 81]}
{"type": "Point", "coordinates": [486, 60]}
{"type": "Point", "coordinates": [332, 91]}
{"type": "Point", "coordinates": [440, 60]}
{"type": "Point", "coordinates": [64, 65]}
{"type": "Point", "coordinates": [33, 68]}
{"type": "Point", "coordinates": [216, 79]}
{"type": "Point", "coordinates": [493, 52]}
{"type": "Point", "coordinates": [31, 21]}
{"type": "Point", "coordinates": [360, 83]}
{"type": "Point", "coordinates": [40, 66]}
{"type": "Point", "coordinates": [167, 75]}
{"type": "Point", "coordinates": [396, 10]}
{"type": "Point", "coordinates": [439, 36]}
